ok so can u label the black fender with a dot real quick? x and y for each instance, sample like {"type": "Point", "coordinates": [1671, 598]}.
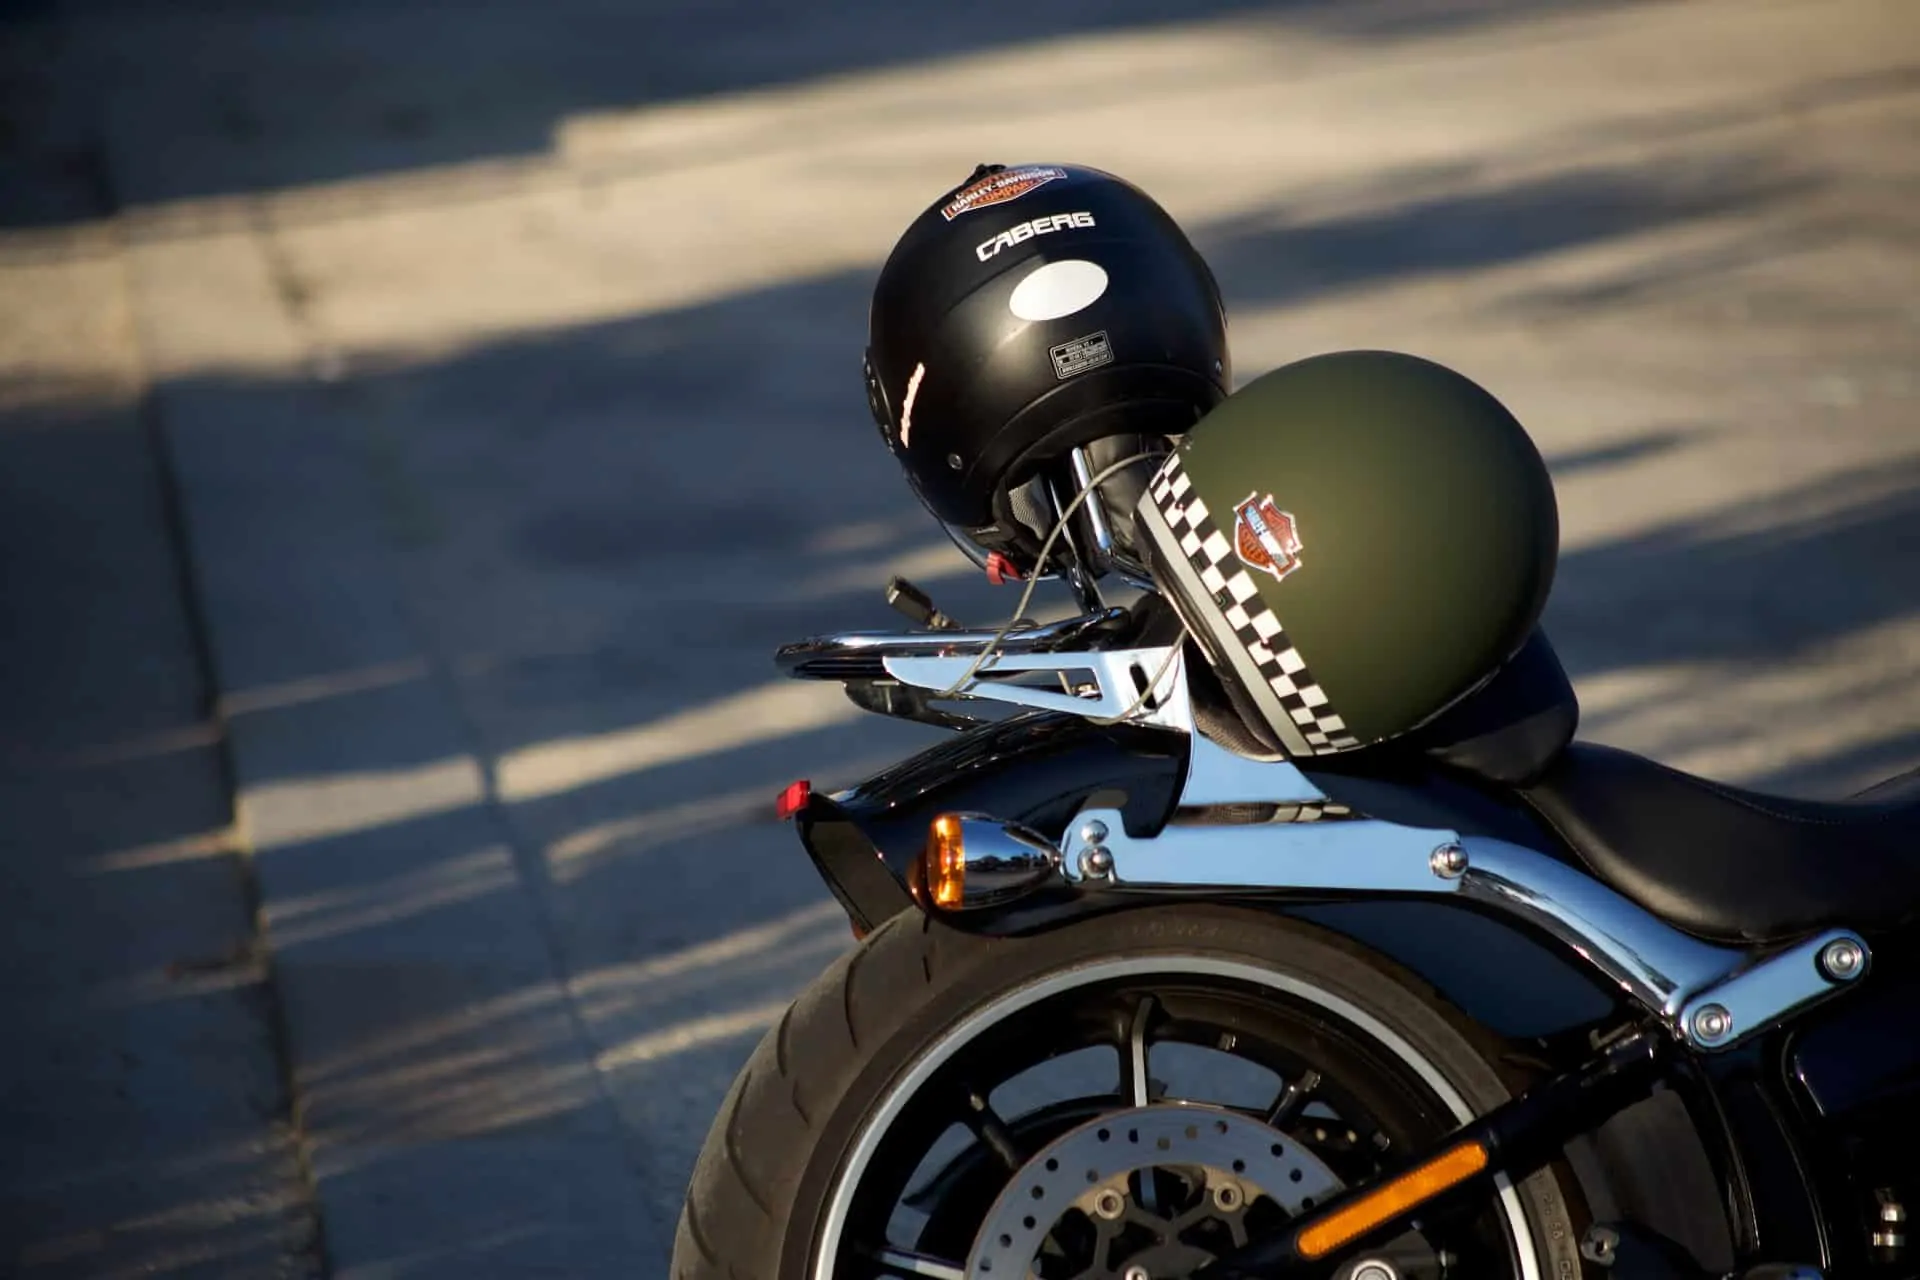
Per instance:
{"type": "Point", "coordinates": [1041, 768]}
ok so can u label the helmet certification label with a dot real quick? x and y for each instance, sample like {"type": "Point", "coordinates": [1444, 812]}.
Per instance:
{"type": "Point", "coordinates": [998, 188]}
{"type": "Point", "coordinates": [1265, 537]}
{"type": "Point", "coordinates": [1081, 354]}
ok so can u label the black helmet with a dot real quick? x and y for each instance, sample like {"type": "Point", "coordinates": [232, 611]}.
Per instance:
{"type": "Point", "coordinates": [1034, 309]}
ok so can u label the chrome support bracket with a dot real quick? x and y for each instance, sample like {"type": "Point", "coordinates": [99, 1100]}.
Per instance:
{"type": "Point", "coordinates": [1360, 856]}
{"type": "Point", "coordinates": [1709, 996]}
{"type": "Point", "coordinates": [1768, 990]}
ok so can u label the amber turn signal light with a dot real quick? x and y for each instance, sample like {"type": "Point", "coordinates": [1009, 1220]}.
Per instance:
{"type": "Point", "coordinates": [971, 861]}
{"type": "Point", "coordinates": [1417, 1185]}
{"type": "Point", "coordinates": [943, 866]}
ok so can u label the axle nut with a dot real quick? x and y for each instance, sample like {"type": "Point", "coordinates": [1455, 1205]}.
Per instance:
{"type": "Point", "coordinates": [1843, 959]}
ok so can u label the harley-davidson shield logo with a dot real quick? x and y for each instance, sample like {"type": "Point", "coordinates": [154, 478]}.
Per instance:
{"type": "Point", "coordinates": [998, 188]}
{"type": "Point", "coordinates": [1265, 536]}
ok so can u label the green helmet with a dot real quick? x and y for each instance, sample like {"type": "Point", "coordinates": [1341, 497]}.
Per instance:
{"type": "Point", "coordinates": [1357, 541]}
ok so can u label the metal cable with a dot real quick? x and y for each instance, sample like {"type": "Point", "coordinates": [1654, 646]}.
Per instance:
{"type": "Point", "coordinates": [1033, 581]}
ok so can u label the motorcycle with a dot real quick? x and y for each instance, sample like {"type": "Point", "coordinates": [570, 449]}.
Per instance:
{"type": "Point", "coordinates": [1135, 999]}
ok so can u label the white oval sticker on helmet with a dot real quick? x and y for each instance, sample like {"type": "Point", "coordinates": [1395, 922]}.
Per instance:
{"type": "Point", "coordinates": [1058, 289]}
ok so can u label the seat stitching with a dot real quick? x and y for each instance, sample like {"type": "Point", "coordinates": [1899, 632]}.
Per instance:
{"type": "Point", "coordinates": [1746, 801]}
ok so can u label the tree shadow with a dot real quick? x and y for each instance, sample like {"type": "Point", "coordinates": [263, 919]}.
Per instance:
{"type": "Point", "coordinates": [244, 99]}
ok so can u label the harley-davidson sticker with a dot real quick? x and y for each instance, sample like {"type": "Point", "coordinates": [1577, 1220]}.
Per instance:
{"type": "Point", "coordinates": [998, 188]}
{"type": "Point", "coordinates": [1265, 537]}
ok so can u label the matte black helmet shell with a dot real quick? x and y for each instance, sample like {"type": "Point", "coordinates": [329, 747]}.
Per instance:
{"type": "Point", "coordinates": [1358, 541]}
{"type": "Point", "coordinates": [1034, 308]}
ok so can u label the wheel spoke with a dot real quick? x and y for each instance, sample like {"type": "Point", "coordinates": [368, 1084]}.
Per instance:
{"type": "Point", "coordinates": [1133, 1055]}
{"type": "Point", "coordinates": [992, 1130]}
{"type": "Point", "coordinates": [899, 1262]}
{"type": "Point", "coordinates": [1292, 1098]}
{"type": "Point", "coordinates": [1135, 1086]}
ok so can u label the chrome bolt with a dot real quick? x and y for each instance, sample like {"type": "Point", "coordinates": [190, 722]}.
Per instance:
{"type": "Point", "coordinates": [1109, 1204]}
{"type": "Point", "coordinates": [1094, 832]}
{"type": "Point", "coordinates": [1095, 863]}
{"type": "Point", "coordinates": [1449, 861]}
{"type": "Point", "coordinates": [1374, 1269]}
{"type": "Point", "coordinates": [1842, 959]}
{"type": "Point", "coordinates": [1712, 1023]}
{"type": "Point", "coordinates": [1227, 1197]}
{"type": "Point", "coordinates": [1136, 1273]}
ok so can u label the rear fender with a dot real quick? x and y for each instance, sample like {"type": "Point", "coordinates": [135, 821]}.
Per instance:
{"type": "Point", "coordinates": [1040, 769]}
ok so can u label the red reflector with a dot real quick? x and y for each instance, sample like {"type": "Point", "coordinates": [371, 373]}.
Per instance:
{"type": "Point", "coordinates": [793, 799]}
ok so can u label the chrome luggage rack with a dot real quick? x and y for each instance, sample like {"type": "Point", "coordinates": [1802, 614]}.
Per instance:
{"type": "Point", "coordinates": [1056, 666]}
{"type": "Point", "coordinates": [862, 655]}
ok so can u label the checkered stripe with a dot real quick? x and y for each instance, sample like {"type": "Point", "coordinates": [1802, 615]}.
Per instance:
{"type": "Point", "coordinates": [1233, 590]}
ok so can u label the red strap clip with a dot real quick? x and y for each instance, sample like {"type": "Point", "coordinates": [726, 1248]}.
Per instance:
{"type": "Point", "coordinates": [1000, 569]}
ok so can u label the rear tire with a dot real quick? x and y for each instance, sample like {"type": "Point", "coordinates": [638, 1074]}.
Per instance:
{"type": "Point", "coordinates": [768, 1182]}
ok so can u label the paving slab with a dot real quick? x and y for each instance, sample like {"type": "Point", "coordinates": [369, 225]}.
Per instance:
{"type": "Point", "coordinates": [145, 1124]}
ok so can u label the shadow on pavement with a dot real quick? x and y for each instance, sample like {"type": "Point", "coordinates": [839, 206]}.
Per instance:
{"type": "Point", "coordinates": [144, 1121]}
{"type": "Point", "coordinates": [380, 89]}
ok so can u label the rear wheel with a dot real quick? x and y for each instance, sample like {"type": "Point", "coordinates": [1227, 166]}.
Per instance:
{"type": "Point", "coordinates": [1125, 1097]}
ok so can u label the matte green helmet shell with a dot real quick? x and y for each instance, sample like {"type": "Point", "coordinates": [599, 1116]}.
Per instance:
{"type": "Point", "coordinates": [1357, 540]}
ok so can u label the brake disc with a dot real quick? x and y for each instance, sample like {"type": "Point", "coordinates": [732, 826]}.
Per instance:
{"type": "Point", "coordinates": [1094, 1204]}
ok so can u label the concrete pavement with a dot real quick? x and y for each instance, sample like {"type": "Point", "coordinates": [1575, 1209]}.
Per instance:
{"type": "Point", "coordinates": [145, 1121]}
{"type": "Point", "coordinates": [509, 367]}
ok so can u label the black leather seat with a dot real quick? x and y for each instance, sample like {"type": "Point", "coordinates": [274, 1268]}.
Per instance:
{"type": "Point", "coordinates": [1731, 864]}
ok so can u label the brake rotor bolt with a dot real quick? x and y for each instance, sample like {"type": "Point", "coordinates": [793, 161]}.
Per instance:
{"type": "Point", "coordinates": [1712, 1024]}
{"type": "Point", "coordinates": [1137, 1273]}
{"type": "Point", "coordinates": [1374, 1269]}
{"type": "Point", "coordinates": [1842, 959]}
{"type": "Point", "coordinates": [1109, 1205]}
{"type": "Point", "coordinates": [1096, 863]}
{"type": "Point", "coordinates": [1448, 862]}
{"type": "Point", "coordinates": [1227, 1197]}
